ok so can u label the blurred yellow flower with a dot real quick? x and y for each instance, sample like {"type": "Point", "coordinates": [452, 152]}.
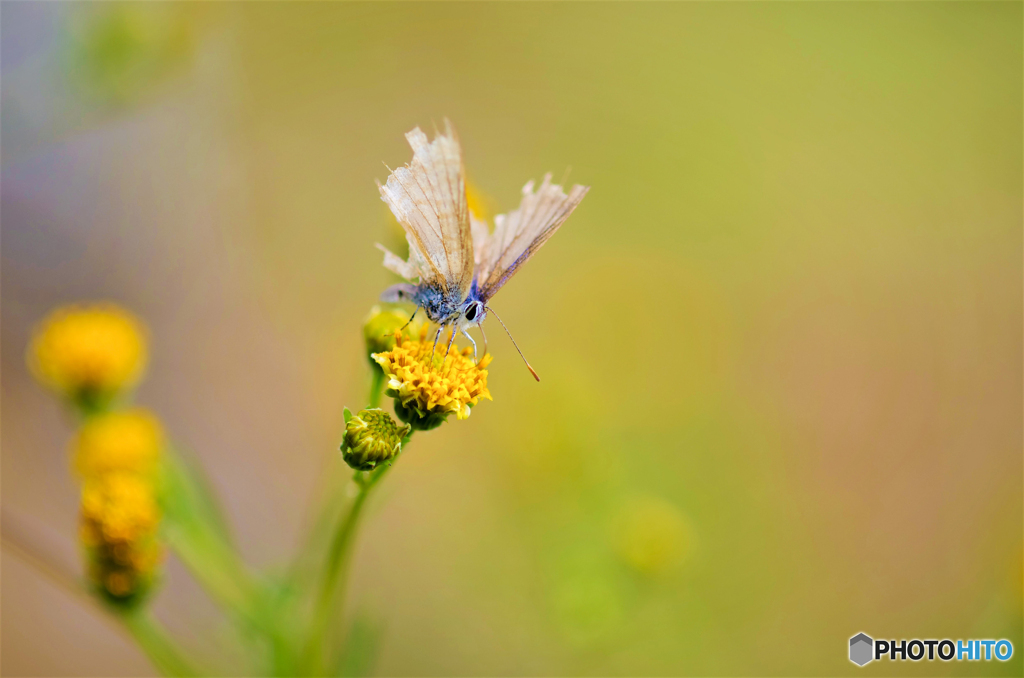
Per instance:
{"type": "Point", "coordinates": [371, 437]}
{"type": "Point", "coordinates": [88, 352]}
{"type": "Point", "coordinates": [119, 520]}
{"type": "Point", "coordinates": [428, 384]}
{"type": "Point", "coordinates": [129, 441]}
{"type": "Point", "coordinates": [478, 203]}
{"type": "Point", "coordinates": [121, 51]}
{"type": "Point", "coordinates": [118, 507]}
{"type": "Point", "coordinates": [381, 325]}
{"type": "Point", "coordinates": [588, 606]}
{"type": "Point", "coordinates": [651, 535]}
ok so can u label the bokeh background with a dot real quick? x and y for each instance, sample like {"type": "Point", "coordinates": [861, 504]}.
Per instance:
{"type": "Point", "coordinates": [780, 341]}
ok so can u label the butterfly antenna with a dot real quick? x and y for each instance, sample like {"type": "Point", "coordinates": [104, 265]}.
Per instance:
{"type": "Point", "coordinates": [528, 366]}
{"type": "Point", "coordinates": [411, 318]}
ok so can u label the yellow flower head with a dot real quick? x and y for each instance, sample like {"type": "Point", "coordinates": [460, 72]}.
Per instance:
{"type": "Point", "coordinates": [128, 441]}
{"type": "Point", "coordinates": [119, 521]}
{"type": "Point", "coordinates": [118, 508]}
{"type": "Point", "coordinates": [371, 437]}
{"type": "Point", "coordinates": [88, 352]}
{"type": "Point", "coordinates": [428, 384]}
{"type": "Point", "coordinates": [381, 325]}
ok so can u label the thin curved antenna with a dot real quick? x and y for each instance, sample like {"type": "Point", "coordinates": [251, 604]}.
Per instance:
{"type": "Point", "coordinates": [532, 371]}
{"type": "Point", "coordinates": [413, 316]}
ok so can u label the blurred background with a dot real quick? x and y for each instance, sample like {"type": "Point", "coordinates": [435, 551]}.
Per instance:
{"type": "Point", "coordinates": [780, 341]}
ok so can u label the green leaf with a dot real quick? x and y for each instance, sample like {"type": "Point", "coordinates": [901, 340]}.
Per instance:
{"type": "Point", "coordinates": [161, 650]}
{"type": "Point", "coordinates": [362, 646]}
{"type": "Point", "coordinates": [196, 530]}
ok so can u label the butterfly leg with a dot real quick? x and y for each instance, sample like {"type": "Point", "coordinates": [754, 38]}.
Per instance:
{"type": "Point", "coordinates": [451, 341]}
{"type": "Point", "coordinates": [465, 333]}
{"type": "Point", "coordinates": [436, 337]}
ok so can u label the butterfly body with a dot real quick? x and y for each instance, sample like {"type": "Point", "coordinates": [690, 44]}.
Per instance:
{"type": "Point", "coordinates": [456, 263]}
{"type": "Point", "coordinates": [440, 307]}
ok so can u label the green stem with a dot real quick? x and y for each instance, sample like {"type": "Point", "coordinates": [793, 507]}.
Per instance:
{"type": "Point", "coordinates": [141, 626]}
{"type": "Point", "coordinates": [330, 599]}
{"type": "Point", "coordinates": [376, 387]}
{"type": "Point", "coordinates": [195, 529]}
{"type": "Point", "coordinates": [215, 568]}
{"type": "Point", "coordinates": [153, 640]}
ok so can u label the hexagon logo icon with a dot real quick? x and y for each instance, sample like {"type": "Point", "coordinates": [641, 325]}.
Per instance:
{"type": "Point", "coordinates": [861, 649]}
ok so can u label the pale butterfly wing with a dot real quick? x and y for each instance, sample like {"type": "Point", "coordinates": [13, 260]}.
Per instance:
{"type": "Point", "coordinates": [428, 197]}
{"type": "Point", "coordinates": [481, 233]}
{"type": "Point", "coordinates": [409, 270]}
{"type": "Point", "coordinates": [518, 235]}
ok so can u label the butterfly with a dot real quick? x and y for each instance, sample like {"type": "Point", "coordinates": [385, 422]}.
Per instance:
{"type": "Point", "coordinates": [456, 263]}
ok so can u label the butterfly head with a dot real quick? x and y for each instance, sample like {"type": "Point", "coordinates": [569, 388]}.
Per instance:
{"type": "Point", "coordinates": [473, 313]}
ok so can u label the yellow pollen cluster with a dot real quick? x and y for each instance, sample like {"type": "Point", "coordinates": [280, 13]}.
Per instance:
{"type": "Point", "coordinates": [97, 350]}
{"type": "Point", "coordinates": [125, 441]}
{"type": "Point", "coordinates": [426, 380]}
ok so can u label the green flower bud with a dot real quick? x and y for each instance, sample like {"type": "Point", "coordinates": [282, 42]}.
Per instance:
{"type": "Point", "coordinates": [371, 437]}
{"type": "Point", "coordinates": [380, 327]}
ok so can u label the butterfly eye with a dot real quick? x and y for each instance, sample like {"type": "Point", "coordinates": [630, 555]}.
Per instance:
{"type": "Point", "coordinates": [471, 313]}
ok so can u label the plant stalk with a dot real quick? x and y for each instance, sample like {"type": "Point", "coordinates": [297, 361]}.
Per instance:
{"type": "Point", "coordinates": [330, 599]}
{"type": "Point", "coordinates": [153, 640]}
{"type": "Point", "coordinates": [376, 387]}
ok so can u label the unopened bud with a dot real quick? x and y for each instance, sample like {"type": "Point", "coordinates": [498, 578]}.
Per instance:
{"type": "Point", "coordinates": [372, 437]}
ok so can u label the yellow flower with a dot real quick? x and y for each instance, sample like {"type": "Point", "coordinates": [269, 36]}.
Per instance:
{"type": "Point", "coordinates": [652, 535]}
{"type": "Point", "coordinates": [479, 204]}
{"type": "Point", "coordinates": [118, 508]}
{"type": "Point", "coordinates": [371, 437]}
{"type": "Point", "coordinates": [88, 353]}
{"type": "Point", "coordinates": [119, 521]}
{"type": "Point", "coordinates": [381, 325]}
{"type": "Point", "coordinates": [128, 441]}
{"type": "Point", "coordinates": [428, 384]}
